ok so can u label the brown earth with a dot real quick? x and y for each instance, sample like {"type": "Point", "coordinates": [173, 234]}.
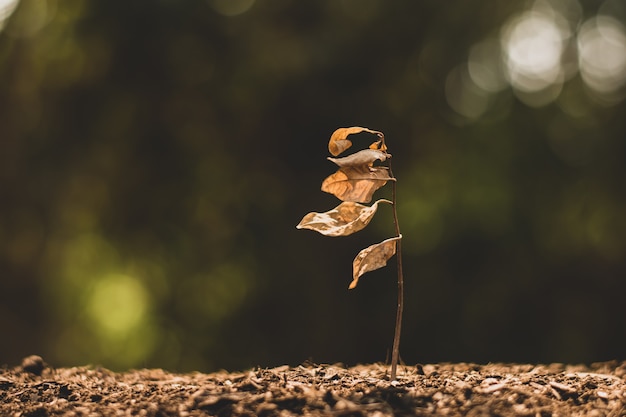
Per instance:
{"type": "Point", "coordinates": [447, 389]}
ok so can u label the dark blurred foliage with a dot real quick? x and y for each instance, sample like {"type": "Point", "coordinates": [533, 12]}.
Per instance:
{"type": "Point", "coordinates": [155, 157]}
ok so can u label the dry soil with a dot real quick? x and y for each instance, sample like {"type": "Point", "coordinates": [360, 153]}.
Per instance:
{"type": "Point", "coordinates": [446, 389]}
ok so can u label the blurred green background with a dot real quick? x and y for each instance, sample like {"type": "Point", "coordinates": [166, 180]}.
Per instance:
{"type": "Point", "coordinates": [155, 157]}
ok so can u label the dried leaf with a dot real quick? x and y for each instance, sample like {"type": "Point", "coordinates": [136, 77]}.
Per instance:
{"type": "Point", "coordinates": [365, 157]}
{"type": "Point", "coordinates": [380, 145]}
{"type": "Point", "coordinates": [343, 220]}
{"type": "Point", "coordinates": [339, 141]}
{"type": "Point", "coordinates": [372, 258]}
{"type": "Point", "coordinates": [356, 184]}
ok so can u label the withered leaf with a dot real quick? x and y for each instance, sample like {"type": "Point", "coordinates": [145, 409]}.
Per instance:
{"type": "Point", "coordinates": [372, 258]}
{"type": "Point", "coordinates": [343, 220]}
{"type": "Point", "coordinates": [380, 145]}
{"type": "Point", "coordinates": [339, 141]}
{"type": "Point", "coordinates": [365, 157]}
{"type": "Point", "coordinates": [356, 183]}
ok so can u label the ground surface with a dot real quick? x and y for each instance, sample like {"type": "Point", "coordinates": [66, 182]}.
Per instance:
{"type": "Point", "coordinates": [36, 390]}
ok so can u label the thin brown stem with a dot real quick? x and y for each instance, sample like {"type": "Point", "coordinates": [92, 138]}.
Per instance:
{"type": "Point", "coordinates": [395, 352]}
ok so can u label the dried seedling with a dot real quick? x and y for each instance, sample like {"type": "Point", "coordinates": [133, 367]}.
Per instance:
{"type": "Point", "coordinates": [354, 183]}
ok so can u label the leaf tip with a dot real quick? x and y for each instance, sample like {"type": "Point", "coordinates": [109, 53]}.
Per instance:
{"type": "Point", "coordinates": [353, 284]}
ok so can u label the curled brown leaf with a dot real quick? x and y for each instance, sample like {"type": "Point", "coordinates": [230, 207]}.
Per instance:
{"type": "Point", "coordinates": [356, 183]}
{"type": "Point", "coordinates": [364, 157]}
{"type": "Point", "coordinates": [345, 219]}
{"type": "Point", "coordinates": [380, 145]}
{"type": "Point", "coordinates": [373, 257]}
{"type": "Point", "coordinates": [339, 141]}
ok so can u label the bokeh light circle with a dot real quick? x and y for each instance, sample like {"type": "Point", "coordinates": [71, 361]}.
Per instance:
{"type": "Point", "coordinates": [602, 54]}
{"type": "Point", "coordinates": [533, 44]}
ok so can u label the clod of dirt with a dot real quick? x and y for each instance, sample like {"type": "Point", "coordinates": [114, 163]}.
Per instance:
{"type": "Point", "coordinates": [33, 364]}
{"type": "Point", "coordinates": [458, 389]}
